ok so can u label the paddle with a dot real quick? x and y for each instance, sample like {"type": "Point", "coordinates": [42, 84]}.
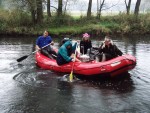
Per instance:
{"type": "Point", "coordinates": [71, 74]}
{"type": "Point", "coordinates": [24, 57]}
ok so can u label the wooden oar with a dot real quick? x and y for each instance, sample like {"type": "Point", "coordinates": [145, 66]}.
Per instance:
{"type": "Point", "coordinates": [71, 74]}
{"type": "Point", "coordinates": [24, 57]}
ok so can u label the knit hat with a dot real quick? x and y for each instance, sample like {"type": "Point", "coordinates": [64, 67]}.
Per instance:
{"type": "Point", "coordinates": [86, 35]}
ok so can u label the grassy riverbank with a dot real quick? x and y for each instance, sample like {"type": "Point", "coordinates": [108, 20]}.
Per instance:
{"type": "Point", "coordinates": [19, 23]}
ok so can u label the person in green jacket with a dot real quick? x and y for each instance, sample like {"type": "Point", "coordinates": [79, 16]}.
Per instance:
{"type": "Point", "coordinates": [66, 53]}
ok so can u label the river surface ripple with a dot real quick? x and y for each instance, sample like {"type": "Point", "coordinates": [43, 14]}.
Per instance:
{"type": "Point", "coordinates": [25, 88]}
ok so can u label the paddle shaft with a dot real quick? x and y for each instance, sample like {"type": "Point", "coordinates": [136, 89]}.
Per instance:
{"type": "Point", "coordinates": [24, 57]}
{"type": "Point", "coordinates": [71, 74]}
{"type": "Point", "coordinates": [41, 48]}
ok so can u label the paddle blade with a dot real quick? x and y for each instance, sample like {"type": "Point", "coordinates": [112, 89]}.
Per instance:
{"type": "Point", "coordinates": [71, 77]}
{"type": "Point", "coordinates": [22, 58]}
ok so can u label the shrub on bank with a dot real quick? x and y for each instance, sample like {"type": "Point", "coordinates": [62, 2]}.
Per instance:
{"type": "Point", "coordinates": [3, 20]}
{"type": "Point", "coordinates": [20, 22]}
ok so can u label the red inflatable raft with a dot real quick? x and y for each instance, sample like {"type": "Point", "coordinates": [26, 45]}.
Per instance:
{"type": "Point", "coordinates": [112, 67]}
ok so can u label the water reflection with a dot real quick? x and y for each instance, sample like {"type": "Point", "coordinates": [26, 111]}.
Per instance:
{"type": "Point", "coordinates": [63, 96]}
{"type": "Point", "coordinates": [25, 88]}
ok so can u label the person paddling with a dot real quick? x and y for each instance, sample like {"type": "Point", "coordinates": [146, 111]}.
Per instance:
{"type": "Point", "coordinates": [66, 53]}
{"type": "Point", "coordinates": [44, 40]}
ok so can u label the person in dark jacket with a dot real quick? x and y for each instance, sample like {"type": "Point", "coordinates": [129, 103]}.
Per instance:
{"type": "Point", "coordinates": [66, 53]}
{"type": "Point", "coordinates": [45, 40]}
{"type": "Point", "coordinates": [85, 43]}
{"type": "Point", "coordinates": [109, 50]}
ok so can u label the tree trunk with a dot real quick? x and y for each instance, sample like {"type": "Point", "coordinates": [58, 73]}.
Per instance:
{"type": "Point", "coordinates": [59, 11]}
{"type": "Point", "coordinates": [89, 9]}
{"type": "Point", "coordinates": [137, 6]}
{"type": "Point", "coordinates": [33, 14]}
{"type": "Point", "coordinates": [100, 8]}
{"type": "Point", "coordinates": [100, 12]}
{"type": "Point", "coordinates": [97, 8]}
{"type": "Point", "coordinates": [32, 7]}
{"type": "Point", "coordinates": [39, 11]}
{"type": "Point", "coordinates": [128, 6]}
{"type": "Point", "coordinates": [65, 9]}
{"type": "Point", "coordinates": [48, 8]}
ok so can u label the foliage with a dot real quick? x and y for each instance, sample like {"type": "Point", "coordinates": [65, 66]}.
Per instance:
{"type": "Point", "coordinates": [19, 18]}
{"type": "Point", "coordinates": [3, 20]}
{"type": "Point", "coordinates": [18, 21]}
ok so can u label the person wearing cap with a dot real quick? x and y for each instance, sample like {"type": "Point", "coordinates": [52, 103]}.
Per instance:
{"type": "Point", "coordinates": [46, 41]}
{"type": "Point", "coordinates": [64, 40]}
{"type": "Point", "coordinates": [108, 49]}
{"type": "Point", "coordinates": [66, 53]}
{"type": "Point", "coordinates": [85, 43]}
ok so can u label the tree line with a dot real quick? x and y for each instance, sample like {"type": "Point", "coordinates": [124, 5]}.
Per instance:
{"type": "Point", "coordinates": [32, 16]}
{"type": "Point", "coordinates": [35, 7]}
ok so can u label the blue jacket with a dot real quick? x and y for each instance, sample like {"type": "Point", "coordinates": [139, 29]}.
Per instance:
{"type": "Point", "coordinates": [43, 41]}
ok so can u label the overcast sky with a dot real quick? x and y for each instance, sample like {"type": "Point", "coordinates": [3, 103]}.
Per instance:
{"type": "Point", "coordinates": [120, 5]}
{"type": "Point", "coordinates": [82, 5]}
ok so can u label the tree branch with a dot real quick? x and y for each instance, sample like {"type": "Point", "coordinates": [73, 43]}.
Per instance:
{"type": "Point", "coordinates": [111, 6]}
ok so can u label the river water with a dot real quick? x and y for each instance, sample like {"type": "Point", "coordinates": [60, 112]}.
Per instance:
{"type": "Point", "coordinates": [25, 88]}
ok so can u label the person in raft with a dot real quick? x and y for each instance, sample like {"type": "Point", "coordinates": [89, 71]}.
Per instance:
{"type": "Point", "coordinates": [64, 40]}
{"type": "Point", "coordinates": [108, 50]}
{"type": "Point", "coordinates": [85, 43]}
{"type": "Point", "coordinates": [66, 53]}
{"type": "Point", "coordinates": [46, 40]}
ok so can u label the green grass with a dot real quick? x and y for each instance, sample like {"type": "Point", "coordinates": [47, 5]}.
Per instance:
{"type": "Point", "coordinates": [19, 22]}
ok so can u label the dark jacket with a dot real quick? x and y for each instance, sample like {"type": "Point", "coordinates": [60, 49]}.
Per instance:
{"type": "Point", "coordinates": [111, 52]}
{"type": "Point", "coordinates": [86, 45]}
